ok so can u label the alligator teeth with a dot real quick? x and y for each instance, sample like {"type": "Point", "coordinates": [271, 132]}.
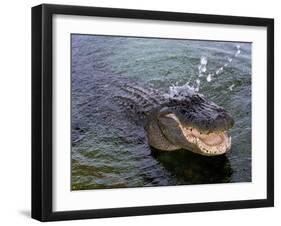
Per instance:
{"type": "Point", "coordinates": [192, 137]}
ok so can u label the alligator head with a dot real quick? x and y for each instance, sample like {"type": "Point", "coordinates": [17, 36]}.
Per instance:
{"type": "Point", "coordinates": [184, 121]}
{"type": "Point", "coordinates": [191, 122]}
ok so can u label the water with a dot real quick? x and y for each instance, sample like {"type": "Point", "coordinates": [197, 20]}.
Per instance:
{"type": "Point", "coordinates": [109, 149]}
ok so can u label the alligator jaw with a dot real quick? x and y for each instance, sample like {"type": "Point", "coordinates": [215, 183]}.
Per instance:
{"type": "Point", "coordinates": [208, 144]}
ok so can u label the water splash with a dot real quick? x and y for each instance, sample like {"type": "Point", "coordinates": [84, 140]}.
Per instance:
{"type": "Point", "coordinates": [180, 92]}
{"type": "Point", "coordinates": [229, 60]}
{"type": "Point", "coordinates": [202, 70]}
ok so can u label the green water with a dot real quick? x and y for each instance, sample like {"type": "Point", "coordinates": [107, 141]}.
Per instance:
{"type": "Point", "coordinates": [110, 150]}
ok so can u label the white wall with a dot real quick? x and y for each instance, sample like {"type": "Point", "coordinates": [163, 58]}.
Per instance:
{"type": "Point", "coordinates": [15, 111]}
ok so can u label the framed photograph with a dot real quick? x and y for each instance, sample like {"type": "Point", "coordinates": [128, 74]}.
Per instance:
{"type": "Point", "coordinates": [145, 112]}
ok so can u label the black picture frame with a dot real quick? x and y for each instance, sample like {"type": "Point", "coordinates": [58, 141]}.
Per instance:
{"type": "Point", "coordinates": [42, 111]}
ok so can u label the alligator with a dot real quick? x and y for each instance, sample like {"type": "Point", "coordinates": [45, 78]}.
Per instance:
{"type": "Point", "coordinates": [186, 120]}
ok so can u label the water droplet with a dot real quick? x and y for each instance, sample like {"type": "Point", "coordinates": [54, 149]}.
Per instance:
{"type": "Point", "coordinates": [219, 70]}
{"type": "Point", "coordinates": [209, 78]}
{"type": "Point", "coordinates": [203, 69]}
{"type": "Point", "coordinates": [238, 50]}
{"type": "Point", "coordinates": [203, 60]}
{"type": "Point", "coordinates": [237, 53]}
{"type": "Point", "coordinates": [231, 87]}
{"type": "Point", "coordinates": [229, 59]}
